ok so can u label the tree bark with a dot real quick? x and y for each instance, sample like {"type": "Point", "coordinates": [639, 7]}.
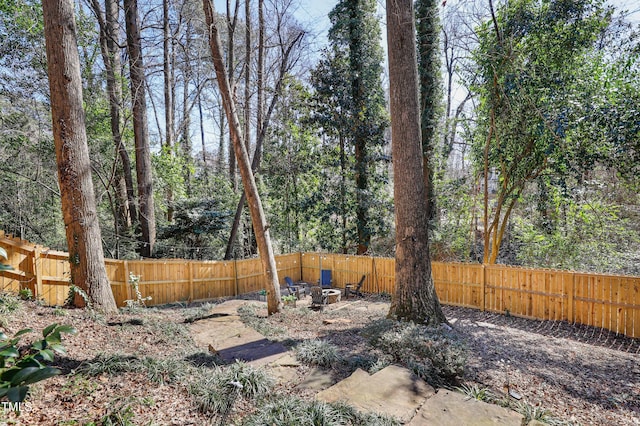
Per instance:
{"type": "Point", "coordinates": [261, 229]}
{"type": "Point", "coordinates": [140, 130]}
{"type": "Point", "coordinates": [429, 74]}
{"type": "Point", "coordinates": [231, 28]}
{"type": "Point", "coordinates": [167, 75]}
{"type": "Point", "coordinates": [84, 239]}
{"type": "Point", "coordinates": [110, 50]}
{"type": "Point", "coordinates": [415, 298]}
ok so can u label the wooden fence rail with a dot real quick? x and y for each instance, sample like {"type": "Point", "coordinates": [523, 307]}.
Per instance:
{"type": "Point", "coordinates": [607, 301]}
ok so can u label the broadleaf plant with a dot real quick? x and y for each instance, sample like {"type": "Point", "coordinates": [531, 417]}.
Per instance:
{"type": "Point", "coordinates": [18, 371]}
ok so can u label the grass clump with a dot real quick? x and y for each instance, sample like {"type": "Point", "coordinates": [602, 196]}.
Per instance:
{"type": "Point", "coordinates": [9, 303]}
{"type": "Point", "coordinates": [317, 352]}
{"type": "Point", "coordinates": [157, 370]}
{"type": "Point", "coordinates": [163, 371]}
{"type": "Point", "coordinates": [216, 394]}
{"type": "Point", "coordinates": [112, 365]}
{"type": "Point", "coordinates": [531, 412]}
{"type": "Point", "coordinates": [431, 352]}
{"type": "Point", "coordinates": [476, 392]}
{"type": "Point", "coordinates": [293, 411]}
{"type": "Point", "coordinates": [250, 318]}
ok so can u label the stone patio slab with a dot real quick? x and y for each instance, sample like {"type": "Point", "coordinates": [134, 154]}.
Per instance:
{"type": "Point", "coordinates": [447, 408]}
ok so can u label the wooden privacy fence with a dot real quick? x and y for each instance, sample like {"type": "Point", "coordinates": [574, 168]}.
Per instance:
{"type": "Point", "coordinates": [607, 301]}
{"type": "Point", "coordinates": [47, 274]}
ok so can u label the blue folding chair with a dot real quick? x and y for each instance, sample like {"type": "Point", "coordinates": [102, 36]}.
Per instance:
{"type": "Point", "coordinates": [325, 278]}
{"type": "Point", "coordinates": [294, 289]}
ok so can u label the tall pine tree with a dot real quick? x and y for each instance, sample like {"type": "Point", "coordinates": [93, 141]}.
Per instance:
{"type": "Point", "coordinates": [350, 108]}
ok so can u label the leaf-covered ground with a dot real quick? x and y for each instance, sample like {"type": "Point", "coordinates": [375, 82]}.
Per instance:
{"type": "Point", "coordinates": [581, 375]}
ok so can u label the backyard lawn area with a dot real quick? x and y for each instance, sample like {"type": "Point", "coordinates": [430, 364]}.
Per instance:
{"type": "Point", "coordinates": [143, 366]}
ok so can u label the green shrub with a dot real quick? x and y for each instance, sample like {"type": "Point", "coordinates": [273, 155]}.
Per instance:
{"type": "Point", "coordinates": [531, 413]}
{"type": "Point", "coordinates": [19, 370]}
{"type": "Point", "coordinates": [431, 352]}
{"type": "Point", "coordinates": [317, 352]}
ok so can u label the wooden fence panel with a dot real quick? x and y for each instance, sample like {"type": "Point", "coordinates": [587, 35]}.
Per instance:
{"type": "Point", "coordinates": [289, 266]}
{"type": "Point", "coordinates": [165, 281]}
{"type": "Point", "coordinates": [458, 284]}
{"type": "Point", "coordinates": [56, 276]}
{"type": "Point", "coordinates": [118, 274]}
{"type": "Point", "coordinates": [384, 272]}
{"type": "Point", "coordinates": [249, 275]}
{"type": "Point", "coordinates": [213, 279]}
{"type": "Point", "coordinates": [632, 326]}
{"type": "Point", "coordinates": [19, 257]}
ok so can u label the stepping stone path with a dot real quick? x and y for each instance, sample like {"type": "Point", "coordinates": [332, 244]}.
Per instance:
{"type": "Point", "coordinates": [393, 391]}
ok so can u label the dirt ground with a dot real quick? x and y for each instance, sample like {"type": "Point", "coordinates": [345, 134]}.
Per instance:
{"type": "Point", "coordinates": [581, 374]}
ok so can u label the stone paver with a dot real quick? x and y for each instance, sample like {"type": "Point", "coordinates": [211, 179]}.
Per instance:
{"type": "Point", "coordinates": [227, 336]}
{"type": "Point", "coordinates": [448, 408]}
{"type": "Point", "coordinates": [394, 391]}
{"type": "Point", "coordinates": [317, 379]}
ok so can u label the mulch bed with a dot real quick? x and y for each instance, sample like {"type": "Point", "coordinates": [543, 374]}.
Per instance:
{"type": "Point", "coordinates": [583, 375]}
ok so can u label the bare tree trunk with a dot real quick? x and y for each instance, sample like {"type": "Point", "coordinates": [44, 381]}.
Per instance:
{"type": "Point", "coordinates": [263, 125]}
{"type": "Point", "coordinates": [221, 145]}
{"type": "Point", "coordinates": [247, 74]}
{"type": "Point", "coordinates": [261, 229]}
{"type": "Point", "coordinates": [110, 50]}
{"type": "Point", "coordinates": [168, 95]}
{"type": "Point", "coordinates": [140, 130]}
{"type": "Point", "coordinates": [84, 239]}
{"type": "Point", "coordinates": [415, 298]}
{"type": "Point", "coordinates": [232, 20]}
{"type": "Point", "coordinates": [260, 82]}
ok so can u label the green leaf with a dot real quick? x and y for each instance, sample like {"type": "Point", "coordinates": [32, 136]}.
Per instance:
{"type": "Point", "coordinates": [10, 352]}
{"type": "Point", "coordinates": [67, 329]}
{"type": "Point", "coordinates": [39, 345]}
{"type": "Point", "coordinates": [23, 375]}
{"type": "Point", "coordinates": [17, 394]}
{"type": "Point", "coordinates": [46, 355]}
{"type": "Point", "coordinates": [58, 348]}
{"type": "Point", "coordinates": [23, 332]}
{"type": "Point", "coordinates": [49, 329]}
{"type": "Point", "coordinates": [42, 374]}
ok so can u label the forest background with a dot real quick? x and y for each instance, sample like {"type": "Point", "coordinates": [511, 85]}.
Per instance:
{"type": "Point", "coordinates": [531, 144]}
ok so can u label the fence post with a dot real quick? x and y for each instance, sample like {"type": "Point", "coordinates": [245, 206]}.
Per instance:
{"type": "Point", "coordinates": [570, 302]}
{"type": "Point", "coordinates": [374, 281]}
{"type": "Point", "coordinates": [483, 284]}
{"type": "Point", "coordinates": [300, 263]}
{"type": "Point", "coordinates": [235, 276]}
{"type": "Point", "coordinates": [37, 273]}
{"type": "Point", "coordinates": [125, 280]}
{"type": "Point", "coordinates": [190, 275]}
